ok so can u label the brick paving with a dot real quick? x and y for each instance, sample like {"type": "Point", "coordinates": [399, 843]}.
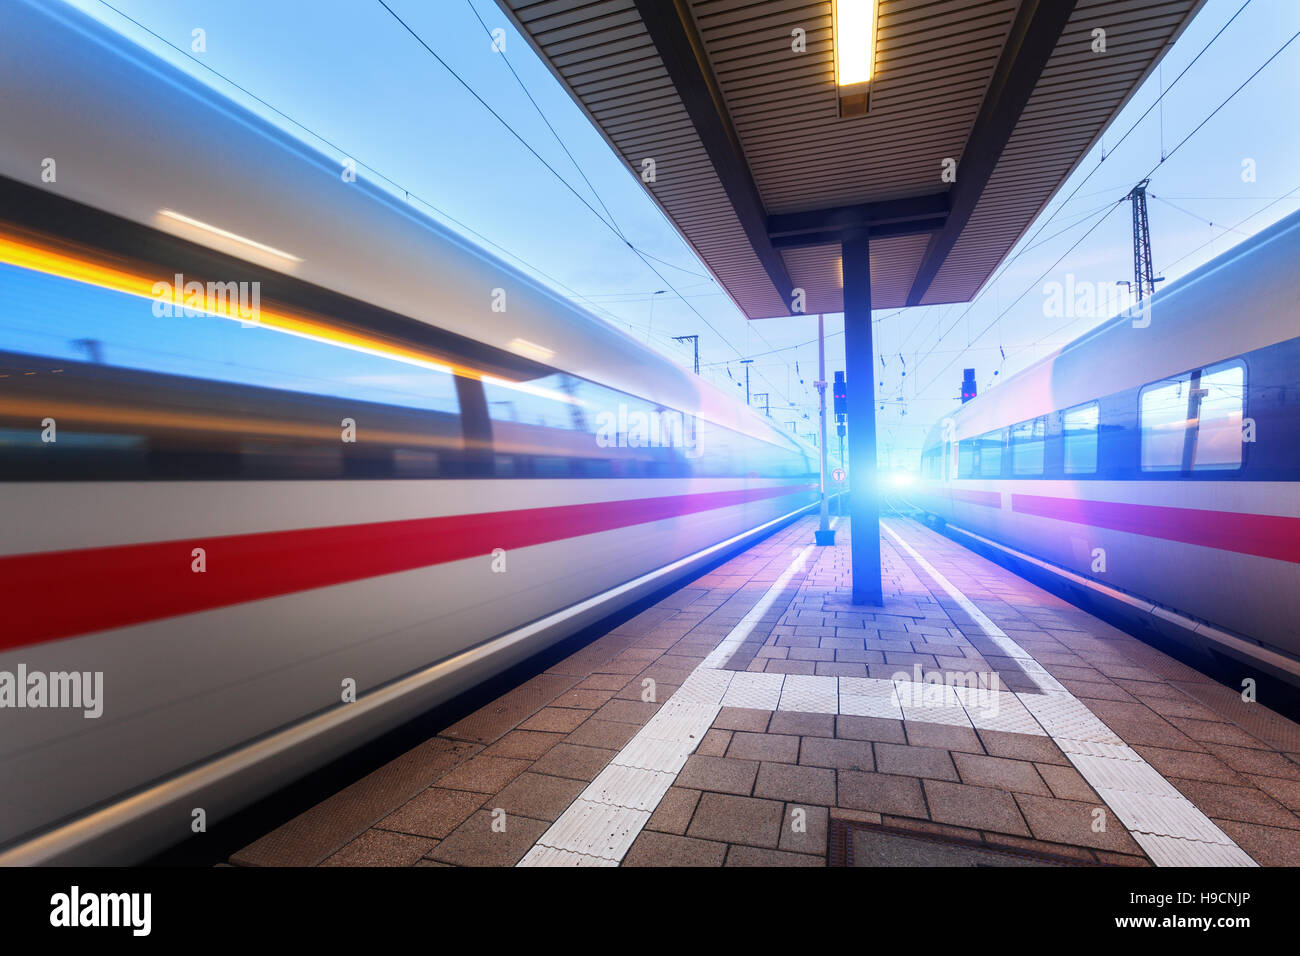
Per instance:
{"type": "Point", "coordinates": [763, 784]}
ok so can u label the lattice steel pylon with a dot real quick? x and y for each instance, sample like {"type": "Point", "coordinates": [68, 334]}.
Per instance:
{"type": "Point", "coordinates": [1144, 279]}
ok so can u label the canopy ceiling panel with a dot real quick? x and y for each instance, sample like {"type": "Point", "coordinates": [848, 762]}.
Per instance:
{"type": "Point", "coordinates": [757, 169]}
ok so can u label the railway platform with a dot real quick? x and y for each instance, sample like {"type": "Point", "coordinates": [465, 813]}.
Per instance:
{"type": "Point", "coordinates": [755, 717]}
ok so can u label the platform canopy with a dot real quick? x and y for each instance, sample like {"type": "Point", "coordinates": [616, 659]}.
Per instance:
{"type": "Point", "coordinates": [763, 159]}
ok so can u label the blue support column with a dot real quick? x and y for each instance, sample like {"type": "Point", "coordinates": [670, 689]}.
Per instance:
{"type": "Point", "coordinates": [860, 371]}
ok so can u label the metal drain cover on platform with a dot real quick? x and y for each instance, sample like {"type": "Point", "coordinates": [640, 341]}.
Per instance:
{"type": "Point", "coordinates": [869, 844]}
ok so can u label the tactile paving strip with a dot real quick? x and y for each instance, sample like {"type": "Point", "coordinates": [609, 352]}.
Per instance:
{"type": "Point", "coordinates": [633, 787]}
{"type": "Point", "coordinates": [1163, 816]}
{"type": "Point", "coordinates": [541, 855]}
{"type": "Point", "coordinates": [756, 691]}
{"type": "Point", "coordinates": [869, 697]}
{"type": "Point", "coordinates": [1120, 751]}
{"type": "Point", "coordinates": [818, 695]}
{"type": "Point", "coordinates": [593, 829]}
{"type": "Point", "coordinates": [1067, 717]}
{"type": "Point", "coordinates": [703, 686]}
{"type": "Point", "coordinates": [1130, 776]}
{"type": "Point", "coordinates": [653, 753]}
{"type": "Point", "coordinates": [606, 819]}
{"type": "Point", "coordinates": [1149, 806]}
{"type": "Point", "coordinates": [1176, 851]}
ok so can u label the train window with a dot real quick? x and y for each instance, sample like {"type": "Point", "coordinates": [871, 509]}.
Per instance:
{"type": "Point", "coordinates": [991, 454]}
{"type": "Point", "coordinates": [1028, 440]}
{"type": "Point", "coordinates": [60, 318]}
{"type": "Point", "coordinates": [558, 423]}
{"type": "Point", "coordinates": [194, 395]}
{"type": "Point", "coordinates": [966, 458]}
{"type": "Point", "coordinates": [553, 401]}
{"type": "Point", "coordinates": [1079, 434]}
{"type": "Point", "coordinates": [1193, 422]}
{"type": "Point", "coordinates": [1217, 437]}
{"type": "Point", "coordinates": [933, 467]}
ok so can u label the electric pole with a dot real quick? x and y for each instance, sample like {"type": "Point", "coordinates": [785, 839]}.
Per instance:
{"type": "Point", "coordinates": [1144, 279]}
{"type": "Point", "coordinates": [823, 535]}
{"type": "Point", "coordinates": [694, 340]}
{"type": "Point", "coordinates": [650, 328]}
{"type": "Point", "coordinates": [746, 363]}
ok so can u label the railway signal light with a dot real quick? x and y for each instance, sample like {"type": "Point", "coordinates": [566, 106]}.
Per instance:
{"type": "Point", "coordinates": [967, 385]}
{"type": "Point", "coordinates": [841, 393]}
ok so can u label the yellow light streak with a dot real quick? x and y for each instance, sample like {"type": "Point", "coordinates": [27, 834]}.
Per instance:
{"type": "Point", "coordinates": [39, 257]}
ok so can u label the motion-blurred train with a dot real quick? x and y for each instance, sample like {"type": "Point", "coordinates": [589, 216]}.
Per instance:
{"type": "Point", "coordinates": [269, 435]}
{"type": "Point", "coordinates": [1152, 466]}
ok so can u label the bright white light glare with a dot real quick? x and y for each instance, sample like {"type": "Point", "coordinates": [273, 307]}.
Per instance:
{"type": "Point", "coordinates": [530, 350]}
{"type": "Point", "coordinates": [902, 479]}
{"type": "Point", "coordinates": [227, 234]}
{"type": "Point", "coordinates": [855, 41]}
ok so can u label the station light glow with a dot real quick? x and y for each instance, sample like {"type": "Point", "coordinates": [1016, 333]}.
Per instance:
{"type": "Point", "coordinates": [855, 41]}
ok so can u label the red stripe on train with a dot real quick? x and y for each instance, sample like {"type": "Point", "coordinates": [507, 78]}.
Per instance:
{"type": "Point", "coordinates": [989, 499]}
{"type": "Point", "coordinates": [1266, 536]}
{"type": "Point", "coordinates": [58, 594]}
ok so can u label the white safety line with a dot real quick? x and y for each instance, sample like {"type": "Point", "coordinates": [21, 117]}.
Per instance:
{"type": "Point", "coordinates": [1167, 825]}
{"type": "Point", "coordinates": [600, 826]}
{"type": "Point", "coordinates": [731, 643]}
{"type": "Point", "coordinates": [1034, 670]}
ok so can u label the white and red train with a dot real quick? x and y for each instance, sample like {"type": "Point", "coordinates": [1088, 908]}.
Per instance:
{"type": "Point", "coordinates": [1152, 466]}
{"type": "Point", "coordinates": [369, 477]}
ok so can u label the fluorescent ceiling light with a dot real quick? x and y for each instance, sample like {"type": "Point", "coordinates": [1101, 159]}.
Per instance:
{"type": "Point", "coordinates": [227, 234]}
{"type": "Point", "coordinates": [855, 54]}
{"type": "Point", "coordinates": [855, 41]}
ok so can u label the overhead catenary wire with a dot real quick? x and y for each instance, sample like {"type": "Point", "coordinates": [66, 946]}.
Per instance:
{"type": "Point", "coordinates": [1188, 212]}
{"type": "Point", "coordinates": [1271, 203]}
{"type": "Point", "coordinates": [1031, 286]}
{"type": "Point", "coordinates": [395, 187]}
{"type": "Point", "coordinates": [1197, 128]}
{"type": "Point", "coordinates": [540, 112]}
{"type": "Point", "coordinates": [1032, 240]}
{"type": "Point", "coordinates": [1154, 169]}
{"type": "Point", "coordinates": [608, 222]}
{"type": "Point", "coordinates": [377, 174]}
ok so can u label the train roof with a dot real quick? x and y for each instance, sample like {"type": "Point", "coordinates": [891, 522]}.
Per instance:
{"type": "Point", "coordinates": [1241, 300]}
{"type": "Point", "coordinates": [74, 87]}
